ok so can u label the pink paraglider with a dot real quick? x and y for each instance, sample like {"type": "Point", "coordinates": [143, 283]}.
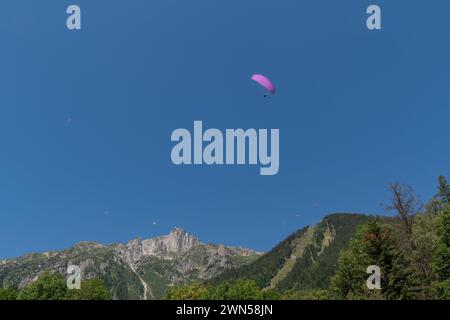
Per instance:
{"type": "Point", "coordinates": [264, 82]}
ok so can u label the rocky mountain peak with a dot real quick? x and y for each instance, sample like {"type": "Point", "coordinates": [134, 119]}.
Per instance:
{"type": "Point", "coordinates": [177, 241]}
{"type": "Point", "coordinates": [177, 231]}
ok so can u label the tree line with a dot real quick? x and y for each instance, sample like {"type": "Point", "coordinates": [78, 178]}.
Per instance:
{"type": "Point", "coordinates": [52, 286]}
{"type": "Point", "coordinates": [412, 252]}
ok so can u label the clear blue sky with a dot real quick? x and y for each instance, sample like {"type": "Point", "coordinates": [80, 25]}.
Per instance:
{"type": "Point", "coordinates": [356, 110]}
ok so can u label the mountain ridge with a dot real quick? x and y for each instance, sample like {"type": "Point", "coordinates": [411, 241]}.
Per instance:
{"type": "Point", "coordinates": [146, 268]}
{"type": "Point", "coordinates": [305, 260]}
{"type": "Point", "coordinates": [131, 270]}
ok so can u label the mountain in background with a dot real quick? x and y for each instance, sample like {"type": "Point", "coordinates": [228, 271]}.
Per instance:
{"type": "Point", "coordinates": [305, 260]}
{"type": "Point", "coordinates": [140, 269]}
{"type": "Point", "coordinates": [145, 269]}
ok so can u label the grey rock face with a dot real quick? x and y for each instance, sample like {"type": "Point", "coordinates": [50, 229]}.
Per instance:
{"type": "Point", "coordinates": [177, 241]}
{"type": "Point", "coordinates": [166, 247]}
{"type": "Point", "coordinates": [132, 252]}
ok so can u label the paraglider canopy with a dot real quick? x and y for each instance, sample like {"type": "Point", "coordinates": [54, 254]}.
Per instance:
{"type": "Point", "coordinates": [264, 82]}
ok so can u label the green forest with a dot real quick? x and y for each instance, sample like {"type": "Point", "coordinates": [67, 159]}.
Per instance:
{"type": "Point", "coordinates": [328, 261]}
{"type": "Point", "coordinates": [412, 250]}
{"type": "Point", "coordinates": [52, 286]}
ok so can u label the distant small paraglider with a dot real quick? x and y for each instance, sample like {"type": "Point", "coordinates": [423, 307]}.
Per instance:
{"type": "Point", "coordinates": [264, 82]}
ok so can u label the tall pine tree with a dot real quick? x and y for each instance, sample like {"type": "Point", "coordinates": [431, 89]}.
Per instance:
{"type": "Point", "coordinates": [374, 244]}
{"type": "Point", "coordinates": [441, 255]}
{"type": "Point", "coordinates": [444, 190]}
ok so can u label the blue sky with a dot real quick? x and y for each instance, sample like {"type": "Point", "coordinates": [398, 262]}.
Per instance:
{"type": "Point", "coordinates": [356, 110]}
